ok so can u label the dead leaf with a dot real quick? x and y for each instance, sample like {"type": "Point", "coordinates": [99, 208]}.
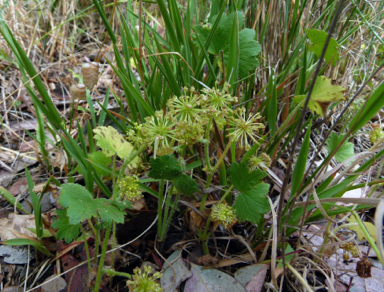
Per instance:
{"type": "Point", "coordinates": [252, 277]}
{"type": "Point", "coordinates": [175, 272]}
{"type": "Point", "coordinates": [139, 204]}
{"type": "Point", "coordinates": [54, 285]}
{"type": "Point", "coordinates": [60, 160]}
{"type": "Point", "coordinates": [15, 226]}
{"type": "Point", "coordinates": [211, 280]}
{"type": "Point", "coordinates": [207, 260]}
{"type": "Point", "coordinates": [363, 268]}
{"type": "Point", "coordinates": [369, 226]}
{"type": "Point", "coordinates": [6, 178]}
{"type": "Point", "coordinates": [38, 188]}
{"type": "Point", "coordinates": [19, 186]}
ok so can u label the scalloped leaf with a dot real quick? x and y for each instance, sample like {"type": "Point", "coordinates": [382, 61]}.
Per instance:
{"type": "Point", "coordinates": [111, 142]}
{"type": "Point", "coordinates": [323, 94]}
{"type": "Point", "coordinates": [318, 38]}
{"type": "Point", "coordinates": [81, 205]}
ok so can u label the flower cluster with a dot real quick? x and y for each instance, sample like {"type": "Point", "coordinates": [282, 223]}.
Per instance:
{"type": "Point", "coordinates": [193, 115]}
{"type": "Point", "coordinates": [260, 161]}
{"type": "Point", "coordinates": [224, 214]}
{"type": "Point", "coordinates": [144, 281]}
{"type": "Point", "coordinates": [244, 128]}
{"type": "Point", "coordinates": [375, 135]}
{"type": "Point", "coordinates": [129, 188]}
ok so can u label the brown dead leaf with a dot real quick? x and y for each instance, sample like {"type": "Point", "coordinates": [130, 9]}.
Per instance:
{"type": "Point", "coordinates": [60, 160]}
{"type": "Point", "coordinates": [7, 156]}
{"type": "Point", "coordinates": [139, 204]}
{"type": "Point", "coordinates": [18, 187]}
{"type": "Point", "coordinates": [363, 268]}
{"type": "Point", "coordinates": [6, 178]}
{"type": "Point", "coordinates": [15, 226]}
{"type": "Point", "coordinates": [38, 188]}
{"type": "Point", "coordinates": [207, 260]}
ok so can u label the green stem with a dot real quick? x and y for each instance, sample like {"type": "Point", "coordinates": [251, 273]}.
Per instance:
{"type": "Point", "coordinates": [166, 211]}
{"type": "Point", "coordinates": [160, 209]}
{"type": "Point", "coordinates": [102, 258]}
{"type": "Point", "coordinates": [210, 174]}
{"type": "Point", "coordinates": [97, 242]}
{"type": "Point", "coordinates": [206, 147]}
{"type": "Point", "coordinates": [166, 226]}
{"type": "Point", "coordinates": [132, 156]}
{"type": "Point", "coordinates": [97, 236]}
{"type": "Point", "coordinates": [111, 272]}
{"type": "Point", "coordinates": [204, 237]}
{"type": "Point", "coordinates": [86, 249]}
{"type": "Point", "coordinates": [368, 236]}
{"type": "Point", "coordinates": [287, 121]}
{"type": "Point", "coordinates": [113, 244]}
{"type": "Point", "coordinates": [113, 176]}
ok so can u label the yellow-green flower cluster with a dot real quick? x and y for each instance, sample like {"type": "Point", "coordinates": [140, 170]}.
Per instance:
{"type": "Point", "coordinates": [129, 188]}
{"type": "Point", "coordinates": [244, 128]}
{"type": "Point", "coordinates": [219, 99]}
{"type": "Point", "coordinates": [143, 281]}
{"type": "Point", "coordinates": [256, 162]}
{"type": "Point", "coordinates": [158, 132]}
{"type": "Point", "coordinates": [187, 107]}
{"type": "Point", "coordinates": [376, 135]}
{"type": "Point", "coordinates": [224, 214]}
{"type": "Point", "coordinates": [189, 119]}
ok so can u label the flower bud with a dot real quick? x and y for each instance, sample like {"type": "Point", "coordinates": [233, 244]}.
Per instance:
{"type": "Point", "coordinates": [90, 74]}
{"type": "Point", "coordinates": [78, 91]}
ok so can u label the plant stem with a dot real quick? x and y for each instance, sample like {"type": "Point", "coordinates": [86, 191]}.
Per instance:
{"type": "Point", "coordinates": [205, 236]}
{"type": "Point", "coordinates": [113, 244]}
{"type": "Point", "coordinates": [160, 210]}
{"type": "Point", "coordinates": [206, 146]}
{"type": "Point", "coordinates": [102, 258]}
{"type": "Point", "coordinates": [166, 226]}
{"type": "Point", "coordinates": [210, 174]}
{"type": "Point", "coordinates": [111, 272]}
{"type": "Point", "coordinates": [86, 249]}
{"type": "Point", "coordinates": [368, 236]}
{"type": "Point", "coordinates": [113, 176]}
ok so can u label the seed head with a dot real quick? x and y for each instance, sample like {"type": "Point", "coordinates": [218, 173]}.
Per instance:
{"type": "Point", "coordinates": [224, 214]}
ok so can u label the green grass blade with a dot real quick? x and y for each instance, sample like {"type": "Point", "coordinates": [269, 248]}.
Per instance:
{"type": "Point", "coordinates": [233, 60]}
{"type": "Point", "coordinates": [301, 162]}
{"type": "Point", "coordinates": [373, 105]}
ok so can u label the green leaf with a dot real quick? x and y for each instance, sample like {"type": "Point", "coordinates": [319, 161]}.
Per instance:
{"type": "Point", "coordinates": [318, 38]}
{"type": "Point", "coordinates": [242, 179]}
{"type": "Point", "coordinates": [251, 204]}
{"type": "Point", "coordinates": [111, 142]}
{"type": "Point", "coordinates": [249, 48]}
{"type": "Point", "coordinates": [26, 241]}
{"type": "Point", "coordinates": [221, 38]}
{"type": "Point", "coordinates": [122, 205]}
{"type": "Point", "coordinates": [108, 211]}
{"type": "Point", "coordinates": [81, 206]}
{"type": "Point", "coordinates": [344, 152]}
{"type": "Point", "coordinates": [99, 157]}
{"type": "Point", "coordinates": [66, 231]}
{"type": "Point", "coordinates": [298, 171]}
{"type": "Point", "coordinates": [11, 199]}
{"type": "Point", "coordinates": [374, 104]}
{"type": "Point", "coordinates": [323, 94]}
{"type": "Point", "coordinates": [45, 233]}
{"type": "Point", "coordinates": [185, 184]}
{"type": "Point", "coordinates": [164, 167]}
